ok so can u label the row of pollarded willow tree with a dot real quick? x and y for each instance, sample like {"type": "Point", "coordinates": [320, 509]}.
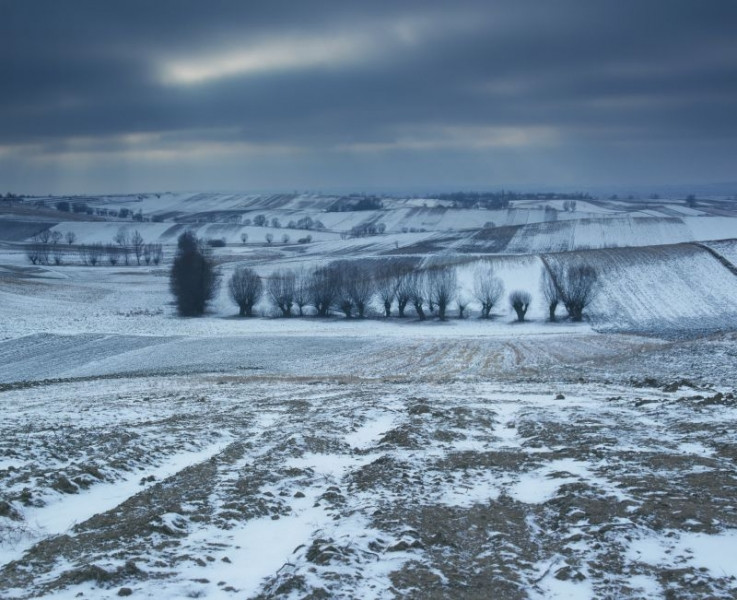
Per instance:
{"type": "Point", "coordinates": [350, 288]}
{"type": "Point", "coordinates": [47, 248]}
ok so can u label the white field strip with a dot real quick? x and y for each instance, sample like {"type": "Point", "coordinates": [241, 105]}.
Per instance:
{"type": "Point", "coordinates": [59, 517]}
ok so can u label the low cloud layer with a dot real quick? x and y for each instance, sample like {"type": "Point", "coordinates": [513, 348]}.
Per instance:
{"type": "Point", "coordinates": [294, 95]}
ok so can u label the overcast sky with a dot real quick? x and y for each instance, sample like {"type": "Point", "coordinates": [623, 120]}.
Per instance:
{"type": "Point", "coordinates": [125, 96]}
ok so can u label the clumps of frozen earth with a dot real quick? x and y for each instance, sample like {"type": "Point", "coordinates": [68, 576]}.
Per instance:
{"type": "Point", "coordinates": [220, 487]}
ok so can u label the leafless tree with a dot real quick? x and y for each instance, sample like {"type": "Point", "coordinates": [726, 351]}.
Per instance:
{"type": "Point", "coordinates": [578, 288]}
{"type": "Point", "coordinates": [34, 251]}
{"type": "Point", "coordinates": [404, 292]}
{"type": "Point", "coordinates": [93, 253]}
{"type": "Point", "coordinates": [462, 304]}
{"type": "Point", "coordinates": [269, 238]}
{"type": "Point", "coordinates": [113, 254]}
{"type": "Point", "coordinates": [83, 254]}
{"type": "Point", "coordinates": [417, 292]}
{"type": "Point", "coordinates": [520, 302]}
{"type": "Point", "coordinates": [359, 287]}
{"type": "Point", "coordinates": [442, 285]}
{"type": "Point", "coordinates": [147, 253]}
{"type": "Point", "coordinates": [280, 288]}
{"type": "Point", "coordinates": [40, 247]}
{"type": "Point", "coordinates": [121, 238]}
{"type": "Point", "coordinates": [157, 253]}
{"type": "Point", "coordinates": [386, 282]}
{"type": "Point", "coordinates": [244, 238]}
{"type": "Point", "coordinates": [70, 237]}
{"type": "Point", "coordinates": [301, 289]}
{"type": "Point", "coordinates": [136, 241]}
{"type": "Point", "coordinates": [285, 238]}
{"type": "Point", "coordinates": [57, 253]}
{"type": "Point", "coordinates": [549, 288]}
{"type": "Point", "coordinates": [487, 289]}
{"type": "Point", "coordinates": [56, 237]}
{"type": "Point", "coordinates": [324, 286]}
{"type": "Point", "coordinates": [245, 289]}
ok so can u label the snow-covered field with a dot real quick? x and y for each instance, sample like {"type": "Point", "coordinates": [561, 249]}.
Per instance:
{"type": "Point", "coordinates": [281, 486]}
{"type": "Point", "coordinates": [144, 454]}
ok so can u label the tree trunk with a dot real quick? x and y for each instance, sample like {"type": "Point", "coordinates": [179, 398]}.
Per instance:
{"type": "Point", "coordinates": [441, 311]}
{"type": "Point", "coordinates": [419, 311]}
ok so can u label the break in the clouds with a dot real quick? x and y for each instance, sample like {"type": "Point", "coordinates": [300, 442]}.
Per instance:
{"type": "Point", "coordinates": [101, 96]}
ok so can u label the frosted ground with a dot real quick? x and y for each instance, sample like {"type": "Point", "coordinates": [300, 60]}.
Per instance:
{"type": "Point", "coordinates": [298, 458]}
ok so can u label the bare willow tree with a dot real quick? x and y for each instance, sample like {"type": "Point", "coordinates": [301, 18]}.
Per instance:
{"type": "Point", "coordinates": [70, 237]}
{"type": "Point", "coordinates": [404, 291]}
{"type": "Point", "coordinates": [137, 243]}
{"type": "Point", "coordinates": [550, 291]}
{"type": "Point", "coordinates": [157, 253]}
{"type": "Point", "coordinates": [579, 287]}
{"type": "Point", "coordinates": [34, 251]}
{"type": "Point", "coordinates": [94, 253]}
{"type": "Point", "coordinates": [57, 253]}
{"type": "Point", "coordinates": [245, 290]}
{"type": "Point", "coordinates": [416, 285]}
{"type": "Point", "coordinates": [121, 238]}
{"type": "Point", "coordinates": [40, 248]}
{"type": "Point", "coordinates": [487, 289]}
{"type": "Point", "coordinates": [520, 302]}
{"type": "Point", "coordinates": [111, 250]}
{"type": "Point", "coordinates": [442, 286]}
{"type": "Point", "coordinates": [280, 288]}
{"type": "Point", "coordinates": [359, 286]}
{"type": "Point", "coordinates": [301, 289]}
{"type": "Point", "coordinates": [324, 286]}
{"type": "Point", "coordinates": [386, 287]}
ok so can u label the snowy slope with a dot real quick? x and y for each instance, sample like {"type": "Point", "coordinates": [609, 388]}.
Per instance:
{"type": "Point", "coordinates": [663, 288]}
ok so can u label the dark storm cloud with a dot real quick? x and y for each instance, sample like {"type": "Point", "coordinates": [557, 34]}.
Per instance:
{"type": "Point", "coordinates": [326, 76]}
